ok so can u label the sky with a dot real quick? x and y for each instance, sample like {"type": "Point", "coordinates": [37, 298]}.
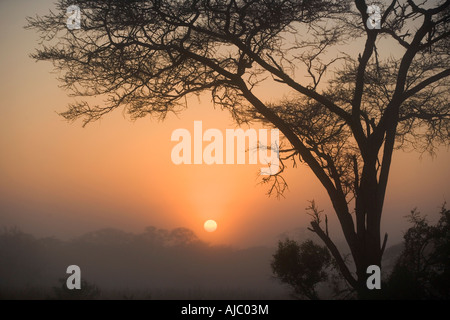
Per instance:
{"type": "Point", "coordinates": [60, 179]}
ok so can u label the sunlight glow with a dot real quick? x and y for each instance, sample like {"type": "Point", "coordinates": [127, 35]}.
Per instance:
{"type": "Point", "coordinates": [210, 226]}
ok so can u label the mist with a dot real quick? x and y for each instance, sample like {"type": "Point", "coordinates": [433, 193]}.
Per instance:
{"type": "Point", "coordinates": [153, 264]}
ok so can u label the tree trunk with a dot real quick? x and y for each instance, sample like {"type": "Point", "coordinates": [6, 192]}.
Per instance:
{"type": "Point", "coordinates": [367, 247]}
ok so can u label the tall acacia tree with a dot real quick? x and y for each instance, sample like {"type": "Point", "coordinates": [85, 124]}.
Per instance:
{"type": "Point", "coordinates": [368, 90]}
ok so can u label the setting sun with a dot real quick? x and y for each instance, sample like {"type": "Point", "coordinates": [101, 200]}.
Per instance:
{"type": "Point", "coordinates": [210, 226]}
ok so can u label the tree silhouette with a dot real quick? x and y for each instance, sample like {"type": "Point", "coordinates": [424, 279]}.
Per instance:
{"type": "Point", "coordinates": [302, 266]}
{"type": "Point", "coordinates": [423, 269]}
{"type": "Point", "coordinates": [344, 121]}
{"type": "Point", "coordinates": [88, 291]}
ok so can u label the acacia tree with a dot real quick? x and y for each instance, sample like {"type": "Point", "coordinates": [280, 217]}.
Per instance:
{"type": "Point", "coordinates": [367, 92]}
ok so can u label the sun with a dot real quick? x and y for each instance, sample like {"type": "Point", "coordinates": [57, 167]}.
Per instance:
{"type": "Point", "coordinates": [210, 226]}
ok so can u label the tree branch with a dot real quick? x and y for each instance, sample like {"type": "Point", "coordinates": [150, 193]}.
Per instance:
{"type": "Point", "coordinates": [335, 252]}
{"type": "Point", "coordinates": [425, 83]}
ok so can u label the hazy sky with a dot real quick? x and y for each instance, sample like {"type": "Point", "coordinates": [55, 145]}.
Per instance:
{"type": "Point", "coordinates": [61, 179]}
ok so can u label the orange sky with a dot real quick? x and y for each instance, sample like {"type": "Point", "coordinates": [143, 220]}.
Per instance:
{"type": "Point", "coordinates": [61, 179]}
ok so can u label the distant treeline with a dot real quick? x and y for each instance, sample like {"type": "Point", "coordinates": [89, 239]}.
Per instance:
{"type": "Point", "coordinates": [157, 263]}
